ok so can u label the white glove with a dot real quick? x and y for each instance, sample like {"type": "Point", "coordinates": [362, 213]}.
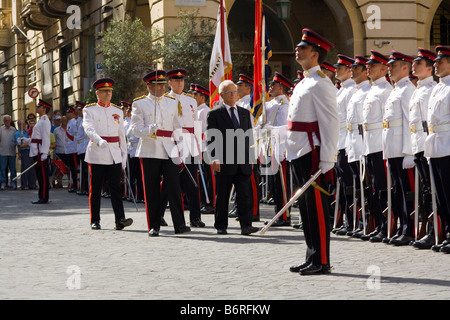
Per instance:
{"type": "Point", "coordinates": [153, 128]}
{"type": "Point", "coordinates": [408, 162]}
{"type": "Point", "coordinates": [43, 157]}
{"type": "Point", "coordinates": [103, 144]}
{"type": "Point", "coordinates": [326, 166]}
{"type": "Point", "coordinates": [22, 140]}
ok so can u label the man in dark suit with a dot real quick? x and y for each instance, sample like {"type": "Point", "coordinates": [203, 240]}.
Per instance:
{"type": "Point", "coordinates": [231, 154]}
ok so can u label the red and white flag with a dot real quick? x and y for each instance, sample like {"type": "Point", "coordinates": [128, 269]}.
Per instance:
{"type": "Point", "coordinates": [220, 65]}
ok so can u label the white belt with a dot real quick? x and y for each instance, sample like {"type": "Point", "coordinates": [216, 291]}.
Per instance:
{"type": "Point", "coordinates": [352, 126]}
{"type": "Point", "coordinates": [392, 124]}
{"type": "Point", "coordinates": [372, 126]}
{"type": "Point", "coordinates": [441, 128]}
{"type": "Point", "coordinates": [416, 127]}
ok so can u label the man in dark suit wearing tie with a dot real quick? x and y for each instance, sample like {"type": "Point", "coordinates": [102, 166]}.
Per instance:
{"type": "Point", "coordinates": [231, 153]}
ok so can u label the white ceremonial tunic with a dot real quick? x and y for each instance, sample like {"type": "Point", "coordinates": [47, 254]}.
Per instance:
{"type": "Point", "coordinates": [418, 106]}
{"type": "Point", "coordinates": [277, 111]}
{"type": "Point", "coordinates": [132, 141]}
{"type": "Point", "coordinates": [343, 96]}
{"type": "Point", "coordinates": [373, 110]}
{"type": "Point", "coordinates": [41, 131]}
{"type": "Point", "coordinates": [314, 99]}
{"type": "Point", "coordinates": [354, 140]}
{"type": "Point", "coordinates": [202, 116]}
{"type": "Point", "coordinates": [71, 133]}
{"type": "Point", "coordinates": [437, 144]}
{"type": "Point", "coordinates": [102, 123]}
{"type": "Point", "coordinates": [163, 112]}
{"type": "Point", "coordinates": [244, 102]}
{"type": "Point", "coordinates": [396, 133]}
{"type": "Point", "coordinates": [190, 136]}
{"type": "Point", "coordinates": [82, 138]}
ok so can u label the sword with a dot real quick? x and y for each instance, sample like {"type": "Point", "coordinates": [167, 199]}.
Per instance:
{"type": "Point", "coordinates": [416, 204]}
{"type": "Point", "coordinates": [389, 196]}
{"type": "Point", "coordinates": [204, 184]}
{"type": "Point", "coordinates": [131, 191]}
{"type": "Point", "coordinates": [291, 201]}
{"type": "Point", "coordinates": [20, 174]}
{"type": "Point", "coordinates": [362, 174]}
{"type": "Point", "coordinates": [434, 206]}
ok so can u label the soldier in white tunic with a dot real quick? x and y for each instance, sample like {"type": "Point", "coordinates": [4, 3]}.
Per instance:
{"type": "Point", "coordinates": [155, 119]}
{"type": "Point", "coordinates": [313, 121]}
{"type": "Point", "coordinates": [422, 68]}
{"type": "Point", "coordinates": [245, 85]}
{"type": "Point", "coordinates": [106, 152]}
{"type": "Point", "coordinates": [397, 143]}
{"type": "Point", "coordinates": [437, 144]}
{"type": "Point", "coordinates": [373, 109]}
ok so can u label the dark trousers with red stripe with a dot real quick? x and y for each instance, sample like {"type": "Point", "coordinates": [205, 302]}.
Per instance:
{"type": "Point", "coordinates": [42, 177]}
{"type": "Point", "coordinates": [314, 214]}
{"type": "Point", "coordinates": [278, 189]}
{"type": "Point", "coordinates": [400, 187]}
{"type": "Point", "coordinates": [152, 170]}
{"type": "Point", "coordinates": [344, 175]}
{"type": "Point", "coordinates": [378, 185]}
{"type": "Point", "coordinates": [441, 174]}
{"type": "Point", "coordinates": [83, 172]}
{"type": "Point", "coordinates": [111, 173]}
{"type": "Point", "coordinates": [72, 162]}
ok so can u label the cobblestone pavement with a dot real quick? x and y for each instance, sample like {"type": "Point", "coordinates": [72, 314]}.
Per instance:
{"type": "Point", "coordinates": [50, 252]}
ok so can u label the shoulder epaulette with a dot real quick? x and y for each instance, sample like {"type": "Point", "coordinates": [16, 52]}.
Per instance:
{"type": "Point", "coordinates": [138, 98]}
{"type": "Point", "coordinates": [166, 95]}
{"type": "Point", "coordinates": [91, 104]}
{"type": "Point", "coordinates": [320, 73]}
{"type": "Point", "coordinates": [187, 94]}
{"type": "Point", "coordinates": [114, 105]}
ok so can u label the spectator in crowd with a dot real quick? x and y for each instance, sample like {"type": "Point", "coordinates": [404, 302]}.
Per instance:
{"type": "Point", "coordinates": [60, 151]}
{"type": "Point", "coordinates": [28, 179]}
{"type": "Point", "coordinates": [7, 153]}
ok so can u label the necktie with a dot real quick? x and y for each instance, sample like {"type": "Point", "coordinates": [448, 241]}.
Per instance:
{"type": "Point", "coordinates": [233, 118]}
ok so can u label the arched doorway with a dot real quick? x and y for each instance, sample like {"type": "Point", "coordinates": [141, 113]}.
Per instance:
{"type": "Point", "coordinates": [440, 26]}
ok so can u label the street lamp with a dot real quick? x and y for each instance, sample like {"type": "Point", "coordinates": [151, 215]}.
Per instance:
{"type": "Point", "coordinates": [283, 9]}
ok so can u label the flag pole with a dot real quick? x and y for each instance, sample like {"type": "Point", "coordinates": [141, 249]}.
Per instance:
{"type": "Point", "coordinates": [263, 67]}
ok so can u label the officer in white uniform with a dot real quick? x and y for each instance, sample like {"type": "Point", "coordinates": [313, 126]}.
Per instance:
{"type": "Point", "coordinates": [354, 139]}
{"type": "Point", "coordinates": [191, 146]}
{"type": "Point", "coordinates": [422, 68]}
{"type": "Point", "coordinates": [245, 85]}
{"type": "Point", "coordinates": [201, 95]}
{"type": "Point", "coordinates": [437, 144]}
{"type": "Point", "coordinates": [373, 109]}
{"type": "Point", "coordinates": [397, 143]}
{"type": "Point", "coordinates": [276, 116]}
{"type": "Point", "coordinates": [71, 147]}
{"type": "Point", "coordinates": [82, 142]}
{"type": "Point", "coordinates": [343, 171]}
{"type": "Point", "coordinates": [312, 121]}
{"type": "Point", "coordinates": [106, 152]}
{"type": "Point", "coordinates": [39, 149]}
{"type": "Point", "coordinates": [156, 120]}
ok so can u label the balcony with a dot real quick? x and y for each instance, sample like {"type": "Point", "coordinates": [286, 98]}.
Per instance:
{"type": "Point", "coordinates": [33, 17]}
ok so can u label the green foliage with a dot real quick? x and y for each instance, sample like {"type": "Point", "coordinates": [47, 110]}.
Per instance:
{"type": "Point", "coordinates": [128, 54]}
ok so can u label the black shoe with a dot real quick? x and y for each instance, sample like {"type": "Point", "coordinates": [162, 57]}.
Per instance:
{"type": "Point", "coordinates": [378, 237]}
{"type": "Point", "coordinates": [95, 225]}
{"type": "Point", "coordinates": [366, 237]}
{"type": "Point", "coordinates": [153, 233]}
{"type": "Point", "coordinates": [391, 240]}
{"type": "Point", "coordinates": [197, 223]}
{"type": "Point", "coordinates": [315, 269]}
{"type": "Point", "coordinates": [403, 240]}
{"type": "Point", "coordinates": [343, 231]}
{"type": "Point", "coordinates": [124, 223]}
{"type": "Point", "coordinates": [425, 243]}
{"type": "Point", "coordinates": [208, 209]}
{"type": "Point", "coordinates": [182, 229]}
{"type": "Point", "coordinates": [232, 213]}
{"type": "Point", "coordinates": [298, 226]}
{"type": "Point", "coordinates": [249, 230]}
{"type": "Point", "coordinates": [40, 201]}
{"type": "Point", "coordinates": [445, 248]}
{"type": "Point", "coordinates": [298, 267]}
{"type": "Point", "coordinates": [280, 223]}
{"type": "Point", "coordinates": [222, 231]}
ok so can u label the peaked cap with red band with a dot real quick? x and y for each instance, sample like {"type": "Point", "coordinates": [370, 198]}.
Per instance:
{"type": "Point", "coordinates": [312, 38]}
{"type": "Point", "coordinates": [42, 103]}
{"type": "Point", "coordinates": [80, 104]}
{"type": "Point", "coordinates": [398, 56]}
{"type": "Point", "coordinates": [157, 76]}
{"type": "Point", "coordinates": [245, 79]}
{"type": "Point", "coordinates": [103, 84]}
{"type": "Point", "coordinates": [71, 110]}
{"type": "Point", "coordinates": [201, 89]}
{"type": "Point", "coordinates": [125, 104]}
{"type": "Point", "coordinates": [425, 54]}
{"type": "Point", "coordinates": [377, 57]}
{"type": "Point", "coordinates": [278, 77]}
{"type": "Point", "coordinates": [300, 76]}
{"type": "Point", "coordinates": [442, 52]}
{"type": "Point", "coordinates": [360, 61]}
{"type": "Point", "coordinates": [344, 61]}
{"type": "Point", "coordinates": [328, 66]}
{"type": "Point", "coordinates": [176, 74]}
{"type": "Point", "coordinates": [191, 87]}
